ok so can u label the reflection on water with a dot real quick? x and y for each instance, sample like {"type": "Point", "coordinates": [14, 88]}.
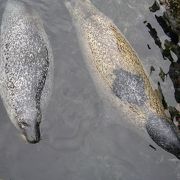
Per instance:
{"type": "Point", "coordinates": [169, 49]}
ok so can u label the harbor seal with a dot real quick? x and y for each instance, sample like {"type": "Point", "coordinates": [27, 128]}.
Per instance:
{"type": "Point", "coordinates": [26, 68]}
{"type": "Point", "coordinates": [119, 74]}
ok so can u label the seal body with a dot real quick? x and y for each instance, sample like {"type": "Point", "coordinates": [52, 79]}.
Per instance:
{"type": "Point", "coordinates": [117, 70]}
{"type": "Point", "coordinates": [26, 68]}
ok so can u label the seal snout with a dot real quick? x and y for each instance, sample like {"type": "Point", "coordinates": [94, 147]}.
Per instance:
{"type": "Point", "coordinates": [32, 134]}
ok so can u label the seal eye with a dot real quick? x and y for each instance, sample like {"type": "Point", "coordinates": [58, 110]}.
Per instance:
{"type": "Point", "coordinates": [23, 125]}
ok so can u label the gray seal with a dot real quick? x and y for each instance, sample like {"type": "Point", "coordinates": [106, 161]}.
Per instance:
{"type": "Point", "coordinates": [117, 71]}
{"type": "Point", "coordinates": [26, 68]}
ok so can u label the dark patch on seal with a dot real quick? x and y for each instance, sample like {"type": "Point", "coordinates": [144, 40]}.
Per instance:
{"type": "Point", "coordinates": [7, 46]}
{"type": "Point", "coordinates": [129, 87]}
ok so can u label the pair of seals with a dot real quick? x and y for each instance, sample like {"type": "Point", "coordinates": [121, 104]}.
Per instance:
{"type": "Point", "coordinates": [26, 71]}
{"type": "Point", "coordinates": [26, 68]}
{"type": "Point", "coordinates": [117, 70]}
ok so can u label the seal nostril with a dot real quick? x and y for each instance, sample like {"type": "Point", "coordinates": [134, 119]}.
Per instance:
{"type": "Point", "coordinates": [33, 140]}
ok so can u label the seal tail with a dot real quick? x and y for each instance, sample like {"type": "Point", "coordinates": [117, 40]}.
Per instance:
{"type": "Point", "coordinates": [164, 133]}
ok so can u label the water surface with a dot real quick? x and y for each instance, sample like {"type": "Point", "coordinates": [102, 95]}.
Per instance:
{"type": "Point", "coordinates": [84, 138]}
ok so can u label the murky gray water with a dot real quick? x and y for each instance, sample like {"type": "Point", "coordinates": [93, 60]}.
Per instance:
{"type": "Point", "coordinates": [84, 138]}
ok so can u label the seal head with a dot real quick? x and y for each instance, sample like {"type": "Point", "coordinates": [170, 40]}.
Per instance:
{"type": "Point", "coordinates": [164, 133]}
{"type": "Point", "coordinates": [29, 125]}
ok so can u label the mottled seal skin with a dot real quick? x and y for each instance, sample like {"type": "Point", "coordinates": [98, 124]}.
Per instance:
{"type": "Point", "coordinates": [117, 70]}
{"type": "Point", "coordinates": [26, 68]}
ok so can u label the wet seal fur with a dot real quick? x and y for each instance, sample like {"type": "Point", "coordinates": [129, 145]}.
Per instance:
{"type": "Point", "coordinates": [117, 71]}
{"type": "Point", "coordinates": [26, 68]}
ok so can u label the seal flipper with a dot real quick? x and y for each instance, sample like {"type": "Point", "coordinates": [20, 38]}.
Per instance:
{"type": "Point", "coordinates": [164, 133]}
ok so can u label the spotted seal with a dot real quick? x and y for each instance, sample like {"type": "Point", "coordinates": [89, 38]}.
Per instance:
{"type": "Point", "coordinates": [117, 70]}
{"type": "Point", "coordinates": [26, 68]}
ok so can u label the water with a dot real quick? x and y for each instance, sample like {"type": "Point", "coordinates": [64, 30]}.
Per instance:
{"type": "Point", "coordinates": [84, 138]}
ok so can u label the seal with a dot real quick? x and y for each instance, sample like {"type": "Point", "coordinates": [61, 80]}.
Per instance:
{"type": "Point", "coordinates": [26, 68]}
{"type": "Point", "coordinates": [119, 74]}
